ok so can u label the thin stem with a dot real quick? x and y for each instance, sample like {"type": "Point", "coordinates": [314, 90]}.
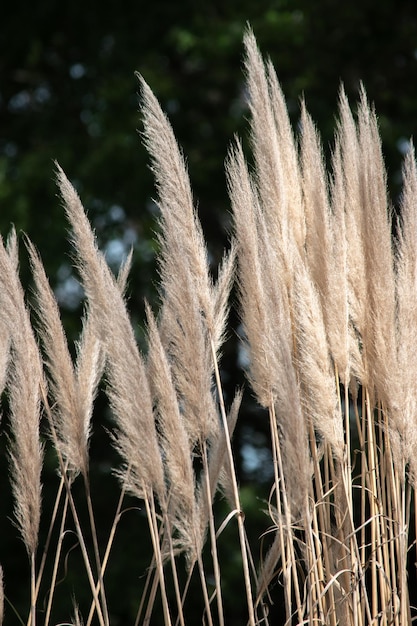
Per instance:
{"type": "Point", "coordinates": [316, 565]}
{"type": "Point", "coordinates": [212, 530]}
{"type": "Point", "coordinates": [235, 490]}
{"type": "Point", "coordinates": [175, 574]}
{"type": "Point", "coordinates": [287, 513]}
{"type": "Point", "coordinates": [33, 588]}
{"type": "Point", "coordinates": [153, 527]}
{"type": "Point", "coordinates": [278, 486]}
{"type": "Point", "coordinates": [204, 590]}
{"type": "Point", "coordinates": [96, 550]}
{"type": "Point", "coordinates": [56, 561]}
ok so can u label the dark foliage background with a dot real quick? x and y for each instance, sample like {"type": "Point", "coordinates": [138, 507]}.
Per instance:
{"type": "Point", "coordinates": [68, 92]}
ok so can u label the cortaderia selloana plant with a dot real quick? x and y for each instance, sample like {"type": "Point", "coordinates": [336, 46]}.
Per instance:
{"type": "Point", "coordinates": [328, 302]}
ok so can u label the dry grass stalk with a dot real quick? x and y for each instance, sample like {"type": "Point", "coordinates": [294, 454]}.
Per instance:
{"type": "Point", "coordinates": [350, 173]}
{"type": "Point", "coordinates": [188, 315]}
{"type": "Point", "coordinates": [316, 375]}
{"type": "Point", "coordinates": [194, 314]}
{"type": "Point", "coordinates": [266, 284]}
{"type": "Point", "coordinates": [338, 326]}
{"type": "Point", "coordinates": [273, 149]}
{"type": "Point", "coordinates": [128, 390]}
{"type": "Point", "coordinates": [23, 387]}
{"type": "Point", "coordinates": [186, 341]}
{"type": "Point", "coordinates": [289, 159]}
{"type": "Point", "coordinates": [316, 206]}
{"type": "Point", "coordinates": [174, 442]}
{"type": "Point", "coordinates": [181, 230]}
{"type": "Point", "coordinates": [406, 281]}
{"type": "Point", "coordinates": [128, 387]}
{"type": "Point", "coordinates": [24, 382]}
{"type": "Point", "coordinates": [73, 389]}
{"type": "Point", "coordinates": [266, 319]}
{"type": "Point", "coordinates": [379, 344]}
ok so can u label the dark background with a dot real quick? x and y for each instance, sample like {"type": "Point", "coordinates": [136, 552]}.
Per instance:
{"type": "Point", "coordinates": [68, 92]}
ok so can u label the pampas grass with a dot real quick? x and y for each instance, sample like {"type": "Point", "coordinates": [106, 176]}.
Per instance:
{"type": "Point", "coordinates": [327, 299]}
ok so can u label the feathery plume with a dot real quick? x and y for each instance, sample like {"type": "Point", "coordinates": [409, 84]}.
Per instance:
{"type": "Point", "coordinates": [316, 206]}
{"type": "Point", "coordinates": [269, 170]}
{"type": "Point", "coordinates": [221, 294]}
{"type": "Point", "coordinates": [266, 317]}
{"type": "Point", "coordinates": [276, 165]}
{"type": "Point", "coordinates": [336, 306]}
{"type": "Point", "coordinates": [185, 340]}
{"type": "Point", "coordinates": [289, 159]}
{"type": "Point", "coordinates": [73, 392]}
{"type": "Point", "coordinates": [406, 282]}
{"type": "Point", "coordinates": [181, 229]}
{"type": "Point", "coordinates": [319, 396]}
{"type": "Point", "coordinates": [25, 379]}
{"type": "Point", "coordinates": [356, 271]}
{"type": "Point", "coordinates": [173, 436]}
{"type": "Point", "coordinates": [246, 213]}
{"type": "Point", "coordinates": [128, 389]}
{"type": "Point", "coordinates": [379, 344]}
{"type": "Point", "coordinates": [189, 316]}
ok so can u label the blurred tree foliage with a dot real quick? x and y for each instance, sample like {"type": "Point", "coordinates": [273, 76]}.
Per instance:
{"type": "Point", "coordinates": [68, 92]}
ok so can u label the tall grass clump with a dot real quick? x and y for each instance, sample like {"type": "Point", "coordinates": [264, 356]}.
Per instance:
{"type": "Point", "coordinates": [328, 301]}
